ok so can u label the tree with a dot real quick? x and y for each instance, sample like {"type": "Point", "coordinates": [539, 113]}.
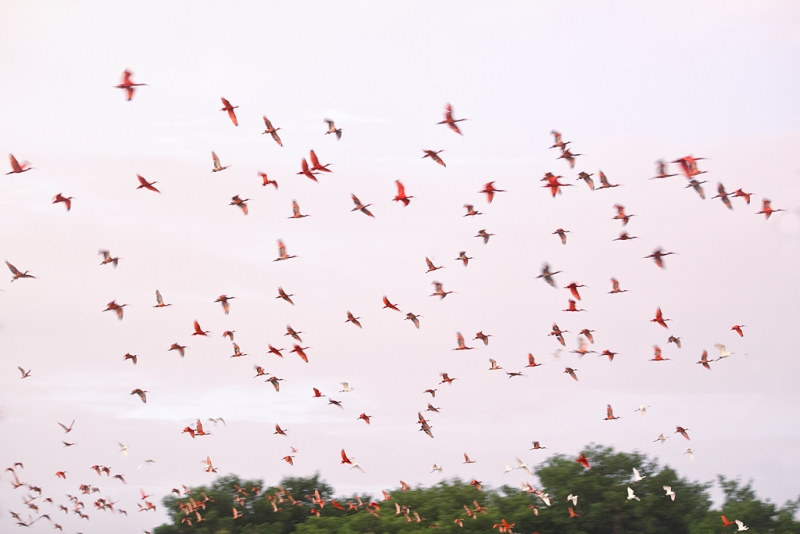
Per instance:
{"type": "Point", "coordinates": [307, 505]}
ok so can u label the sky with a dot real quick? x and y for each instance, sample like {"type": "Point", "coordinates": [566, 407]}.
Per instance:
{"type": "Point", "coordinates": [626, 83]}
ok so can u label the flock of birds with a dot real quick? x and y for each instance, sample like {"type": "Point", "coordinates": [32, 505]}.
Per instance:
{"type": "Point", "coordinates": [310, 168]}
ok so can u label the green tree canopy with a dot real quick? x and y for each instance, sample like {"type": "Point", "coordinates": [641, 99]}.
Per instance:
{"type": "Point", "coordinates": [307, 505]}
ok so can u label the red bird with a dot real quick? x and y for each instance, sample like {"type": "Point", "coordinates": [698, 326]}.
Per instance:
{"type": "Point", "coordinates": [300, 351]}
{"type": "Point", "coordinates": [658, 255]}
{"type": "Point", "coordinates": [621, 216]}
{"type": "Point", "coordinates": [434, 156]}
{"type": "Point", "coordinates": [704, 360]}
{"type": "Point", "coordinates": [572, 307]}
{"type": "Point", "coordinates": [657, 355]}
{"type": "Point", "coordinates": [66, 200]}
{"type": "Point", "coordinates": [226, 106]}
{"type": "Point", "coordinates": [767, 210]}
{"type": "Point", "coordinates": [450, 121]}
{"type": "Point", "coordinates": [740, 193]}
{"type": "Point", "coordinates": [659, 318]}
{"type": "Point", "coordinates": [571, 372]}
{"type": "Point", "coordinates": [584, 461]}
{"type": "Point", "coordinates": [688, 165]}
{"type": "Point", "coordinates": [610, 414]}
{"type": "Point", "coordinates": [315, 164]}
{"type": "Point", "coordinates": [365, 417]}
{"type": "Point", "coordinates": [682, 431]}
{"type": "Point", "coordinates": [116, 308]}
{"type": "Point", "coordinates": [489, 190]}
{"type": "Point", "coordinates": [553, 183]}
{"type": "Point", "coordinates": [146, 185]}
{"type": "Point", "coordinates": [401, 194]}
{"type": "Point", "coordinates": [532, 361]}
{"type": "Point", "coordinates": [305, 171]}
{"type": "Point", "coordinates": [16, 168]}
{"type": "Point", "coordinates": [128, 85]}
{"type": "Point", "coordinates": [387, 304]}
{"type": "Point", "coordinates": [738, 329]}
{"type": "Point", "coordinates": [573, 288]}
{"type": "Point", "coordinates": [272, 131]}
{"type": "Point", "coordinates": [345, 459]}
{"type": "Point", "coordinates": [199, 331]}
{"type": "Point", "coordinates": [446, 379]}
{"type": "Point", "coordinates": [615, 287]}
{"type": "Point", "coordinates": [266, 181]}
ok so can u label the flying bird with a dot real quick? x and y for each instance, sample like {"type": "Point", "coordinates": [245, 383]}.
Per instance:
{"type": "Point", "coordinates": [361, 207]}
{"type": "Point", "coordinates": [223, 300]}
{"type": "Point", "coordinates": [316, 165]}
{"type": "Point", "coordinates": [767, 209]}
{"type": "Point", "coordinates": [658, 256]}
{"type": "Point", "coordinates": [483, 235]}
{"type": "Point", "coordinates": [266, 181]}
{"type": "Point", "coordinates": [116, 308]}
{"type": "Point", "coordinates": [659, 318]}
{"type": "Point", "coordinates": [560, 232]}
{"type": "Point", "coordinates": [661, 170]}
{"type": "Point", "coordinates": [604, 183]}
{"type": "Point", "coordinates": [332, 129]}
{"type": "Point", "coordinates": [217, 166]}
{"type": "Point", "coordinates": [434, 155]}
{"type": "Point", "coordinates": [610, 414]}
{"type": "Point", "coordinates": [127, 84]}
{"type": "Point", "coordinates": [353, 319]}
{"type": "Point", "coordinates": [160, 300]}
{"type": "Point", "coordinates": [146, 185]}
{"type": "Point", "coordinates": [240, 203]}
{"type": "Point", "coordinates": [226, 106]}
{"type": "Point", "coordinates": [489, 190]}
{"type": "Point", "coordinates": [401, 194]}
{"type": "Point", "coordinates": [16, 273]}
{"type": "Point", "coordinates": [271, 130]}
{"type": "Point", "coordinates": [66, 200]}
{"type": "Point", "coordinates": [450, 121]}
{"type": "Point", "coordinates": [107, 258]}
{"type": "Point", "coordinates": [198, 331]}
{"type": "Point", "coordinates": [282, 252]}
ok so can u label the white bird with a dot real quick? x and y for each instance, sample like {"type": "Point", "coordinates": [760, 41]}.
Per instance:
{"type": "Point", "coordinates": [740, 525]}
{"type": "Point", "coordinates": [123, 449]}
{"type": "Point", "coordinates": [545, 498]}
{"type": "Point", "coordinates": [631, 495]}
{"type": "Point", "coordinates": [690, 452]}
{"type": "Point", "coordinates": [557, 353]}
{"type": "Point", "coordinates": [148, 461]}
{"type": "Point", "coordinates": [508, 468]}
{"type": "Point", "coordinates": [523, 465]}
{"type": "Point", "coordinates": [218, 420]}
{"type": "Point", "coordinates": [723, 352]}
{"type": "Point", "coordinates": [346, 388]}
{"type": "Point", "coordinates": [354, 465]}
{"type": "Point", "coordinates": [643, 408]}
{"type": "Point", "coordinates": [573, 498]}
{"type": "Point", "coordinates": [436, 468]}
{"type": "Point", "coordinates": [669, 491]}
{"type": "Point", "coordinates": [662, 438]}
{"type": "Point", "coordinates": [636, 476]}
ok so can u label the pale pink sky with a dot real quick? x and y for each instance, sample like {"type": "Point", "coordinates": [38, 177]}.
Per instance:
{"type": "Point", "coordinates": [628, 84]}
